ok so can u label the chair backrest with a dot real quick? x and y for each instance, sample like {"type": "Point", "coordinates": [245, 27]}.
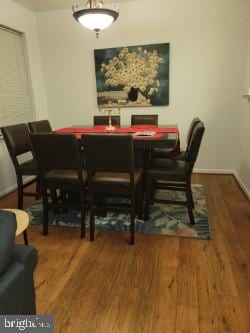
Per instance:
{"type": "Point", "coordinates": [144, 119]}
{"type": "Point", "coordinates": [108, 153]}
{"type": "Point", "coordinates": [195, 143]}
{"type": "Point", "coordinates": [55, 151]}
{"type": "Point", "coordinates": [104, 120]}
{"type": "Point", "coordinates": [40, 126]}
{"type": "Point", "coordinates": [192, 126]}
{"type": "Point", "coordinates": [17, 140]}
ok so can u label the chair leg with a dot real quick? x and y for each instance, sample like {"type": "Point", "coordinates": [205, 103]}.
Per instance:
{"type": "Point", "coordinates": [25, 237]}
{"type": "Point", "coordinates": [20, 192]}
{"type": "Point", "coordinates": [147, 199]}
{"type": "Point", "coordinates": [189, 205]}
{"type": "Point", "coordinates": [139, 200]}
{"type": "Point", "coordinates": [152, 192]}
{"type": "Point", "coordinates": [104, 205]}
{"type": "Point", "coordinates": [64, 201]}
{"type": "Point", "coordinates": [38, 188]}
{"type": "Point", "coordinates": [45, 212]}
{"type": "Point", "coordinates": [82, 196]}
{"type": "Point", "coordinates": [189, 188]}
{"type": "Point", "coordinates": [54, 200]}
{"type": "Point", "coordinates": [101, 202]}
{"type": "Point", "coordinates": [132, 225]}
{"type": "Point", "coordinates": [92, 216]}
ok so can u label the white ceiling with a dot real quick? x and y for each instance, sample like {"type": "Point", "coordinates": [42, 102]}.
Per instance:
{"type": "Point", "coordinates": [47, 5]}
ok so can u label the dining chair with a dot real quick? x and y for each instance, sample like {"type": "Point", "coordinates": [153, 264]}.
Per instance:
{"type": "Point", "coordinates": [175, 152]}
{"type": "Point", "coordinates": [174, 175]}
{"type": "Point", "coordinates": [43, 126]}
{"type": "Point", "coordinates": [104, 120]}
{"type": "Point", "coordinates": [111, 172]}
{"type": "Point", "coordinates": [143, 154]}
{"type": "Point", "coordinates": [144, 119]}
{"type": "Point", "coordinates": [40, 126]}
{"type": "Point", "coordinates": [60, 167]}
{"type": "Point", "coordinates": [17, 140]}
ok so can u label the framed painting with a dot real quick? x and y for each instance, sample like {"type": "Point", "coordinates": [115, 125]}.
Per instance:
{"type": "Point", "coordinates": [132, 75]}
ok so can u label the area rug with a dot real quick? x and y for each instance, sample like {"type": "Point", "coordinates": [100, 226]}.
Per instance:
{"type": "Point", "coordinates": [164, 219]}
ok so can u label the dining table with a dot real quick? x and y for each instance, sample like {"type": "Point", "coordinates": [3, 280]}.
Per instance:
{"type": "Point", "coordinates": [145, 138]}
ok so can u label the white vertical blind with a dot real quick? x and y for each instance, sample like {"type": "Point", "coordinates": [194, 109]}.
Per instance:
{"type": "Point", "coordinates": [15, 97]}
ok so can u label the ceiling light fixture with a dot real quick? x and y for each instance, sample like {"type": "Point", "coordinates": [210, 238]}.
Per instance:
{"type": "Point", "coordinates": [95, 16]}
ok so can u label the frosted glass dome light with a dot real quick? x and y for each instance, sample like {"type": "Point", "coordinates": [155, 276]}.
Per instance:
{"type": "Point", "coordinates": [95, 16]}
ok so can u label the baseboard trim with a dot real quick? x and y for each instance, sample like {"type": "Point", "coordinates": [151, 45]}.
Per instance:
{"type": "Point", "coordinates": [215, 171]}
{"type": "Point", "coordinates": [241, 185]}
{"type": "Point", "coordinates": [227, 172]}
{"type": "Point", "coordinates": [14, 187]}
{"type": "Point", "coordinates": [8, 190]}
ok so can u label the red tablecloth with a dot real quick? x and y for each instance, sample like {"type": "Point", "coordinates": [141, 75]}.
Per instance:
{"type": "Point", "coordinates": [159, 131]}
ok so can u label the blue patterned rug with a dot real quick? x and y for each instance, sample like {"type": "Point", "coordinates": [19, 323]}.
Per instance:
{"type": "Point", "coordinates": [164, 219]}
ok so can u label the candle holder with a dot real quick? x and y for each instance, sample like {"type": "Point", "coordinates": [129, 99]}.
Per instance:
{"type": "Point", "coordinates": [110, 111]}
{"type": "Point", "coordinates": [110, 127]}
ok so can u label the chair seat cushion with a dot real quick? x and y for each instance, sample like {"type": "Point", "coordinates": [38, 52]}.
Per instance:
{"type": "Point", "coordinates": [62, 176]}
{"type": "Point", "coordinates": [116, 178]}
{"type": "Point", "coordinates": [169, 153]}
{"type": "Point", "coordinates": [167, 168]}
{"type": "Point", "coordinates": [29, 167]}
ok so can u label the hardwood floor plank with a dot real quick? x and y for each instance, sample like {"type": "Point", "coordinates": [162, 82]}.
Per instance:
{"type": "Point", "coordinates": [232, 318]}
{"type": "Point", "coordinates": [187, 319]}
{"type": "Point", "coordinates": [221, 265]}
{"type": "Point", "coordinates": [209, 309]}
{"type": "Point", "coordinates": [165, 305]}
{"type": "Point", "coordinates": [186, 275]}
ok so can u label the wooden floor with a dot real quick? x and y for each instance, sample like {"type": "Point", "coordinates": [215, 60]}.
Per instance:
{"type": "Point", "coordinates": [161, 284]}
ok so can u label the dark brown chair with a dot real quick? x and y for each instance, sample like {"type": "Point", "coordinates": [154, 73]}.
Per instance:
{"type": "Point", "coordinates": [174, 175]}
{"type": "Point", "coordinates": [17, 141]}
{"type": "Point", "coordinates": [60, 167]}
{"type": "Point", "coordinates": [40, 126]}
{"type": "Point", "coordinates": [175, 152]}
{"type": "Point", "coordinates": [142, 155]}
{"type": "Point", "coordinates": [111, 172]}
{"type": "Point", "coordinates": [104, 120]}
{"type": "Point", "coordinates": [144, 119]}
{"type": "Point", "coordinates": [43, 126]}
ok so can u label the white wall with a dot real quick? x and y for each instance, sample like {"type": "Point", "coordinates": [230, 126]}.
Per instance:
{"type": "Point", "coordinates": [208, 41]}
{"type": "Point", "coordinates": [208, 46]}
{"type": "Point", "coordinates": [16, 17]}
{"type": "Point", "coordinates": [243, 165]}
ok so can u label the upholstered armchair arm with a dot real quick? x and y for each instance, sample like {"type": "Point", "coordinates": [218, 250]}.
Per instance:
{"type": "Point", "coordinates": [11, 290]}
{"type": "Point", "coordinates": [17, 264]}
{"type": "Point", "coordinates": [27, 256]}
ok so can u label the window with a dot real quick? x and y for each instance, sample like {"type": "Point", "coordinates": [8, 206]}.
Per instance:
{"type": "Point", "coordinates": [15, 92]}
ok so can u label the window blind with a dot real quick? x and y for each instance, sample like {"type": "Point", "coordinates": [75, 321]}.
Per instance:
{"type": "Point", "coordinates": [15, 97]}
